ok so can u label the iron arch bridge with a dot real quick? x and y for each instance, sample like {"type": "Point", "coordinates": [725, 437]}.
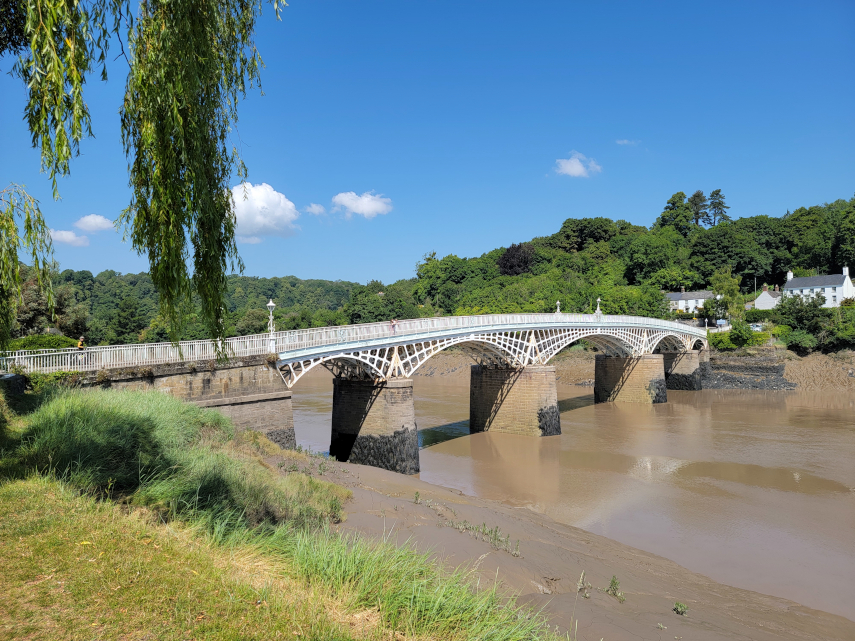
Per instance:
{"type": "Point", "coordinates": [386, 350]}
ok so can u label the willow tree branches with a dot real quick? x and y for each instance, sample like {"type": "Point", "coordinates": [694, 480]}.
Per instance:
{"type": "Point", "coordinates": [15, 205]}
{"type": "Point", "coordinates": [190, 63]}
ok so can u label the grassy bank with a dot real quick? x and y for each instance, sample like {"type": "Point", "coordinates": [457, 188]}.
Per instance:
{"type": "Point", "coordinates": [132, 513]}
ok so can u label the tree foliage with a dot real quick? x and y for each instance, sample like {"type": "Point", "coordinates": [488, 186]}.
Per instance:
{"type": "Point", "coordinates": [726, 288]}
{"type": "Point", "coordinates": [717, 208]}
{"type": "Point", "coordinates": [517, 259]}
{"type": "Point", "coordinates": [16, 205]}
{"type": "Point", "coordinates": [13, 21]}
{"type": "Point", "coordinates": [699, 205]}
{"type": "Point", "coordinates": [189, 65]}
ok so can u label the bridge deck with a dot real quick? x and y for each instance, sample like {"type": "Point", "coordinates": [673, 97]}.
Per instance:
{"type": "Point", "coordinates": [316, 342]}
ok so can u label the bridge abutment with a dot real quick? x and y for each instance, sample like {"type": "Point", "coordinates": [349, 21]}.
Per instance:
{"type": "Point", "coordinates": [514, 401]}
{"type": "Point", "coordinates": [271, 414]}
{"type": "Point", "coordinates": [635, 379]}
{"type": "Point", "coordinates": [682, 370]}
{"type": "Point", "coordinates": [249, 391]}
{"type": "Point", "coordinates": [374, 423]}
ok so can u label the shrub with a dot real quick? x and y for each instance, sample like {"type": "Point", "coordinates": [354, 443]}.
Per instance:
{"type": "Point", "coordinates": [758, 315]}
{"type": "Point", "coordinates": [684, 315]}
{"type": "Point", "coordinates": [759, 338]}
{"type": "Point", "coordinates": [848, 302]}
{"type": "Point", "coordinates": [41, 382]}
{"type": "Point", "coordinates": [801, 340]}
{"type": "Point", "coordinates": [680, 608]}
{"type": "Point", "coordinates": [781, 331]}
{"type": "Point", "coordinates": [740, 334]}
{"type": "Point", "coordinates": [42, 341]}
{"type": "Point", "coordinates": [721, 341]}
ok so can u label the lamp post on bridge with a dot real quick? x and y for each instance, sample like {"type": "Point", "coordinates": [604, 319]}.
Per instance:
{"type": "Point", "coordinates": [271, 327]}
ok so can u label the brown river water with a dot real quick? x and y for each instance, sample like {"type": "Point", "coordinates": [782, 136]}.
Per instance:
{"type": "Point", "coordinates": [753, 489]}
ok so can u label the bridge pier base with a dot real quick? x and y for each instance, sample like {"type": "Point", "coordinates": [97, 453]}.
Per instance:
{"type": "Point", "coordinates": [682, 370]}
{"type": "Point", "coordinates": [638, 379]}
{"type": "Point", "coordinates": [374, 423]}
{"type": "Point", "coordinates": [514, 401]}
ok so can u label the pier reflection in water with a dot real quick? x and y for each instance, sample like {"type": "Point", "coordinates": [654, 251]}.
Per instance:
{"type": "Point", "coordinates": [754, 489]}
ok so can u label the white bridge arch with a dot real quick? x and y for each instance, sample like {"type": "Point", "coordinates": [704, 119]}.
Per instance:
{"type": "Point", "coordinates": [381, 350]}
{"type": "Point", "coordinates": [512, 340]}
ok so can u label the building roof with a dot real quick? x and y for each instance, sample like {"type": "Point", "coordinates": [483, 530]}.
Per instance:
{"type": "Point", "coordinates": [703, 294]}
{"type": "Point", "coordinates": [833, 280]}
{"type": "Point", "coordinates": [771, 293]}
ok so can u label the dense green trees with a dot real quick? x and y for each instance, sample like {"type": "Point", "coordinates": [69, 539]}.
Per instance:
{"type": "Point", "coordinates": [625, 265]}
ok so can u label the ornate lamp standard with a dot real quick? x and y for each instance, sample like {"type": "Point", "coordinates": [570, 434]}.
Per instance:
{"type": "Point", "coordinates": [270, 326]}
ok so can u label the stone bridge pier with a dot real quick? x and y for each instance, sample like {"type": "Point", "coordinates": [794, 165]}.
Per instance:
{"type": "Point", "coordinates": [683, 369]}
{"type": "Point", "coordinates": [514, 400]}
{"type": "Point", "coordinates": [631, 379]}
{"type": "Point", "coordinates": [374, 423]}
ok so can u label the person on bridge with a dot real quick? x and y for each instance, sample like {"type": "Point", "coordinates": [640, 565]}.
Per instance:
{"type": "Point", "coordinates": [81, 345]}
{"type": "Point", "coordinates": [394, 325]}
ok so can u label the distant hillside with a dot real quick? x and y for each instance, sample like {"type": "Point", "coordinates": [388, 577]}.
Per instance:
{"type": "Point", "coordinates": [627, 266]}
{"type": "Point", "coordinates": [123, 308]}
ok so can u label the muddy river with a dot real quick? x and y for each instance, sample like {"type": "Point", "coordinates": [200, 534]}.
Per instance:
{"type": "Point", "coordinates": [753, 489]}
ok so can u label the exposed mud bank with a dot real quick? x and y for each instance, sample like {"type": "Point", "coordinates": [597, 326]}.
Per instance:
{"type": "Point", "coordinates": [546, 564]}
{"type": "Point", "coordinates": [748, 373]}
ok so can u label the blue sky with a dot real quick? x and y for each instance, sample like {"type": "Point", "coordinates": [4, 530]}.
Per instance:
{"type": "Point", "coordinates": [439, 126]}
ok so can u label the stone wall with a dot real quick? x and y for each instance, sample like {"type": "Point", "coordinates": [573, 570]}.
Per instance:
{"type": "Point", "coordinates": [201, 382]}
{"type": "Point", "coordinates": [630, 380]}
{"type": "Point", "coordinates": [249, 391]}
{"type": "Point", "coordinates": [271, 414]}
{"type": "Point", "coordinates": [374, 423]}
{"type": "Point", "coordinates": [516, 401]}
{"type": "Point", "coordinates": [682, 370]}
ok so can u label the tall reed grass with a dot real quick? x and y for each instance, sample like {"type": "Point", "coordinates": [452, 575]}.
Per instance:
{"type": "Point", "coordinates": [150, 449]}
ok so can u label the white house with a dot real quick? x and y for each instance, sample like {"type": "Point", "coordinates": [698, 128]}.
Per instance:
{"type": "Point", "coordinates": [835, 287]}
{"type": "Point", "coordinates": [687, 301]}
{"type": "Point", "coordinates": [767, 298]}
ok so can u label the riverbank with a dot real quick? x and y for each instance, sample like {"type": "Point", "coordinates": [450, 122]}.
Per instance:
{"type": "Point", "coordinates": [542, 560]}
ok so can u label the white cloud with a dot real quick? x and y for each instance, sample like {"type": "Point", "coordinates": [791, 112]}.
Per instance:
{"type": "Point", "coordinates": [625, 141]}
{"type": "Point", "coordinates": [94, 222]}
{"type": "Point", "coordinates": [316, 209]}
{"type": "Point", "coordinates": [68, 238]}
{"type": "Point", "coordinates": [368, 204]}
{"type": "Point", "coordinates": [577, 165]}
{"type": "Point", "coordinates": [263, 212]}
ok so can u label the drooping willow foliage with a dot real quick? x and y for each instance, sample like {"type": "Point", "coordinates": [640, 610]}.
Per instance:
{"type": "Point", "coordinates": [190, 62]}
{"type": "Point", "coordinates": [16, 204]}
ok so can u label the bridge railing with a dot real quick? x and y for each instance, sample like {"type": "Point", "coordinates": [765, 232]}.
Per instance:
{"type": "Point", "coordinates": [118, 356]}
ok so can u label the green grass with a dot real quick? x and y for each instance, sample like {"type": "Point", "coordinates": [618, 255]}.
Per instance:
{"type": "Point", "coordinates": [119, 468]}
{"type": "Point", "coordinates": [150, 449]}
{"type": "Point", "coordinates": [77, 568]}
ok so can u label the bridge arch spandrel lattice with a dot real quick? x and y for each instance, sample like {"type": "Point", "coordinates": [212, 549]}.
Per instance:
{"type": "Point", "coordinates": [505, 348]}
